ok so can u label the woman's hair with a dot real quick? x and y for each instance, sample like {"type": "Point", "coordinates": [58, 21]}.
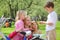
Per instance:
{"type": "Point", "coordinates": [32, 24]}
{"type": "Point", "coordinates": [19, 13]}
{"type": "Point", "coordinates": [26, 19]}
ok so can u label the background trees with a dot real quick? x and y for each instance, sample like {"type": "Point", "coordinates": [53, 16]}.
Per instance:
{"type": "Point", "coordinates": [34, 8]}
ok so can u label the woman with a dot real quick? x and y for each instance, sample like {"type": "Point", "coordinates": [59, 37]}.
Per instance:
{"type": "Point", "coordinates": [35, 28]}
{"type": "Point", "coordinates": [19, 25]}
{"type": "Point", "coordinates": [35, 31]}
{"type": "Point", "coordinates": [27, 23]}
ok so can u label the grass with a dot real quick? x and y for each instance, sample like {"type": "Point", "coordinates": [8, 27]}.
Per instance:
{"type": "Point", "coordinates": [6, 31]}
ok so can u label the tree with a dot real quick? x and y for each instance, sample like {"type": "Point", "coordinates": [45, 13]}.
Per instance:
{"type": "Point", "coordinates": [34, 8]}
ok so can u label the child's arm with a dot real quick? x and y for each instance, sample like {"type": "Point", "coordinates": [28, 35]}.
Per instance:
{"type": "Point", "coordinates": [43, 22]}
{"type": "Point", "coordinates": [19, 27]}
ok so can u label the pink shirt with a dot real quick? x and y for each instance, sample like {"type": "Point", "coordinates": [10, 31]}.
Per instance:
{"type": "Point", "coordinates": [26, 29]}
{"type": "Point", "coordinates": [19, 25]}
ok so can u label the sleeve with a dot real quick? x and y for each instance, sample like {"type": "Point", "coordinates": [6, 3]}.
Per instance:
{"type": "Point", "coordinates": [52, 18]}
{"type": "Point", "coordinates": [19, 26]}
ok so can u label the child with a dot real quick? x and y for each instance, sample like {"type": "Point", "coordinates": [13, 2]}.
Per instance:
{"type": "Point", "coordinates": [51, 21]}
{"type": "Point", "coordinates": [19, 24]}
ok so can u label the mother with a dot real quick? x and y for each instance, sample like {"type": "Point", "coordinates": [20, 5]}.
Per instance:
{"type": "Point", "coordinates": [27, 23]}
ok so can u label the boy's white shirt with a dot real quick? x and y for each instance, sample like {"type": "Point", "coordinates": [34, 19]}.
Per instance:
{"type": "Point", "coordinates": [52, 17]}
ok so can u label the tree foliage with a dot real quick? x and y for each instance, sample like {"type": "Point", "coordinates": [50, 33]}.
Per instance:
{"type": "Point", "coordinates": [34, 8]}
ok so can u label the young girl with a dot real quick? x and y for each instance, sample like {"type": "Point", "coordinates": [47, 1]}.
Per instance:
{"type": "Point", "coordinates": [19, 24]}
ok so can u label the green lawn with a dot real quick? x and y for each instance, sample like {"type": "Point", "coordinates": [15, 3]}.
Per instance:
{"type": "Point", "coordinates": [6, 31]}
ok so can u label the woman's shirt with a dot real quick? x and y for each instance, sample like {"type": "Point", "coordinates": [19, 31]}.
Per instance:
{"type": "Point", "coordinates": [37, 32]}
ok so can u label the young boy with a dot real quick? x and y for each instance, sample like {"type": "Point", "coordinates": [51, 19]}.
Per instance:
{"type": "Point", "coordinates": [51, 21]}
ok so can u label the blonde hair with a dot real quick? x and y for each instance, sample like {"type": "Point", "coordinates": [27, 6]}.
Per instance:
{"type": "Point", "coordinates": [19, 13]}
{"type": "Point", "coordinates": [26, 19]}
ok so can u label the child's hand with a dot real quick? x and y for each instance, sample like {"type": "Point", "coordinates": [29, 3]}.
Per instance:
{"type": "Point", "coordinates": [30, 28]}
{"type": "Point", "coordinates": [42, 22]}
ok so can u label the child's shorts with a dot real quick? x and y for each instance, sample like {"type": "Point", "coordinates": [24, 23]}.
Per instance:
{"type": "Point", "coordinates": [51, 35]}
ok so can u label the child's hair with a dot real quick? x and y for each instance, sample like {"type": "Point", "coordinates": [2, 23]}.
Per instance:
{"type": "Point", "coordinates": [49, 4]}
{"type": "Point", "coordinates": [19, 13]}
